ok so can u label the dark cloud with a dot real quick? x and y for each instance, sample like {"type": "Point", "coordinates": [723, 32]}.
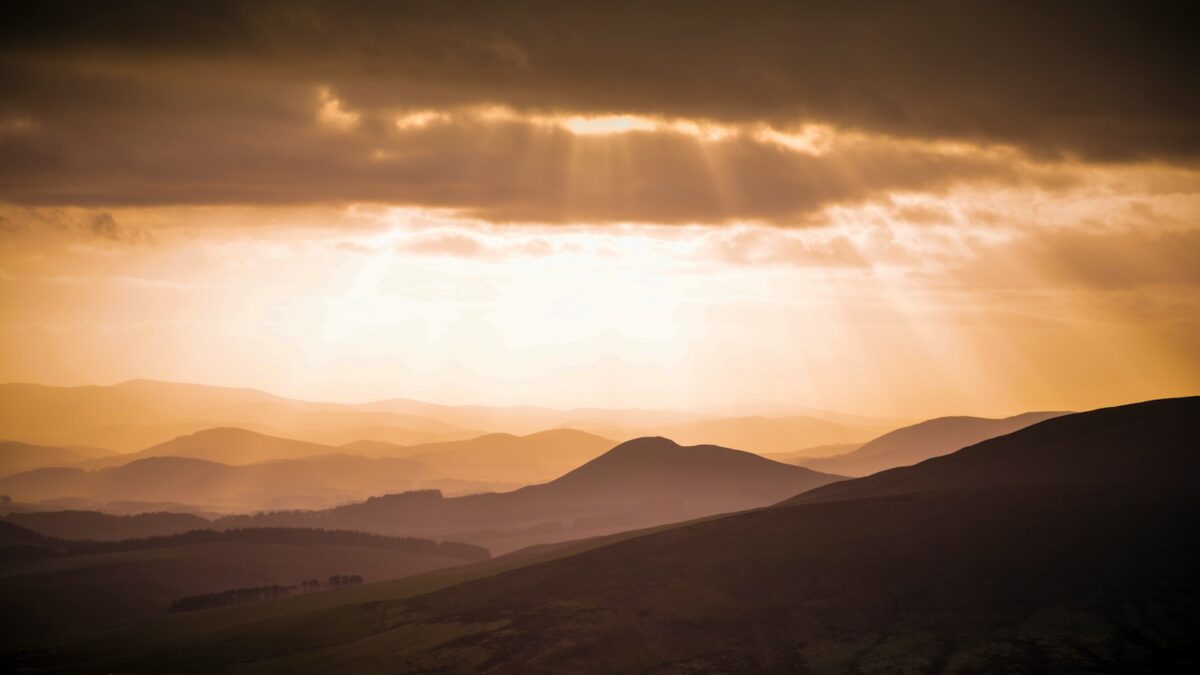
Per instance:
{"type": "Point", "coordinates": [500, 171]}
{"type": "Point", "coordinates": [205, 102]}
{"type": "Point", "coordinates": [1103, 79]}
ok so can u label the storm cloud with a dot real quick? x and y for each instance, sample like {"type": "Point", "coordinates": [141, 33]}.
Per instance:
{"type": "Point", "coordinates": [226, 102]}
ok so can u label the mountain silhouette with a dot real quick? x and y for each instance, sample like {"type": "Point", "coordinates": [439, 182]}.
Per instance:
{"type": "Point", "coordinates": [921, 441]}
{"type": "Point", "coordinates": [762, 435]}
{"type": "Point", "coordinates": [1068, 546]}
{"type": "Point", "coordinates": [1143, 445]}
{"type": "Point", "coordinates": [639, 483]}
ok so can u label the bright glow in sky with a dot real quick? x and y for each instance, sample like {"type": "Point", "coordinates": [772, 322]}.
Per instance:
{"type": "Point", "coordinates": [593, 207]}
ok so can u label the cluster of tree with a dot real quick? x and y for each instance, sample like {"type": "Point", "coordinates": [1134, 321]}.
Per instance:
{"type": "Point", "coordinates": [342, 580]}
{"type": "Point", "coordinates": [242, 596]}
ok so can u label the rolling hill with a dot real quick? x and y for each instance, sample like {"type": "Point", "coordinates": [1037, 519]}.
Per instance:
{"type": "Point", "coordinates": [636, 484]}
{"type": "Point", "coordinates": [16, 457]}
{"type": "Point", "coordinates": [1143, 446]}
{"type": "Point", "coordinates": [921, 441]}
{"type": "Point", "coordinates": [225, 445]}
{"type": "Point", "coordinates": [1067, 546]}
{"type": "Point", "coordinates": [533, 458]}
{"type": "Point", "coordinates": [309, 482]}
{"type": "Point", "coordinates": [133, 415]}
{"type": "Point", "coordinates": [804, 455]}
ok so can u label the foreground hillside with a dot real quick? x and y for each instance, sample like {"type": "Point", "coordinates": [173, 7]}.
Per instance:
{"type": "Point", "coordinates": [918, 442]}
{"type": "Point", "coordinates": [59, 586]}
{"type": "Point", "coordinates": [1083, 567]}
{"type": "Point", "coordinates": [639, 483]}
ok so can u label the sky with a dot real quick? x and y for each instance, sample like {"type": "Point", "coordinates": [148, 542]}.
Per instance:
{"type": "Point", "coordinates": [907, 209]}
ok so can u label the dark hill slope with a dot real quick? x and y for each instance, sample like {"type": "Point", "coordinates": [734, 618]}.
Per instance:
{"type": "Point", "coordinates": [1144, 445]}
{"type": "Point", "coordinates": [921, 441]}
{"type": "Point", "coordinates": [1012, 580]}
{"type": "Point", "coordinates": [79, 586]}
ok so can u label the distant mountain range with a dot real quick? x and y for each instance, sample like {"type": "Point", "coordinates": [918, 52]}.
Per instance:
{"type": "Point", "coordinates": [912, 444]}
{"type": "Point", "coordinates": [1066, 546]}
{"type": "Point", "coordinates": [636, 484]}
{"type": "Point", "coordinates": [142, 412]}
{"type": "Point", "coordinates": [234, 469]}
{"type": "Point", "coordinates": [131, 416]}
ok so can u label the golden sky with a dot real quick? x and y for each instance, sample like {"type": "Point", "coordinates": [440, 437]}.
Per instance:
{"type": "Point", "coordinates": [903, 213]}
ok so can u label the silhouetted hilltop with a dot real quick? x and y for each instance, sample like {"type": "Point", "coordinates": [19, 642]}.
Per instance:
{"type": "Point", "coordinates": [657, 465]}
{"type": "Point", "coordinates": [921, 441]}
{"type": "Point", "coordinates": [636, 484]}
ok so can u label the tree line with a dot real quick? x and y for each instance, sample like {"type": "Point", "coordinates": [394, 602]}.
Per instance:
{"type": "Point", "coordinates": [242, 596]}
{"type": "Point", "coordinates": [296, 536]}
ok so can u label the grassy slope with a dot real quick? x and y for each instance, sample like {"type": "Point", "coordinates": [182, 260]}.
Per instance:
{"type": "Point", "coordinates": [166, 634]}
{"type": "Point", "coordinates": [84, 592]}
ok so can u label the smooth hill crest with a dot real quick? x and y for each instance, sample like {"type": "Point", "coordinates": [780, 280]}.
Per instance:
{"type": "Point", "coordinates": [226, 445]}
{"type": "Point", "coordinates": [917, 442]}
{"type": "Point", "coordinates": [639, 483]}
{"type": "Point", "coordinates": [1090, 448]}
{"type": "Point", "coordinates": [659, 463]}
